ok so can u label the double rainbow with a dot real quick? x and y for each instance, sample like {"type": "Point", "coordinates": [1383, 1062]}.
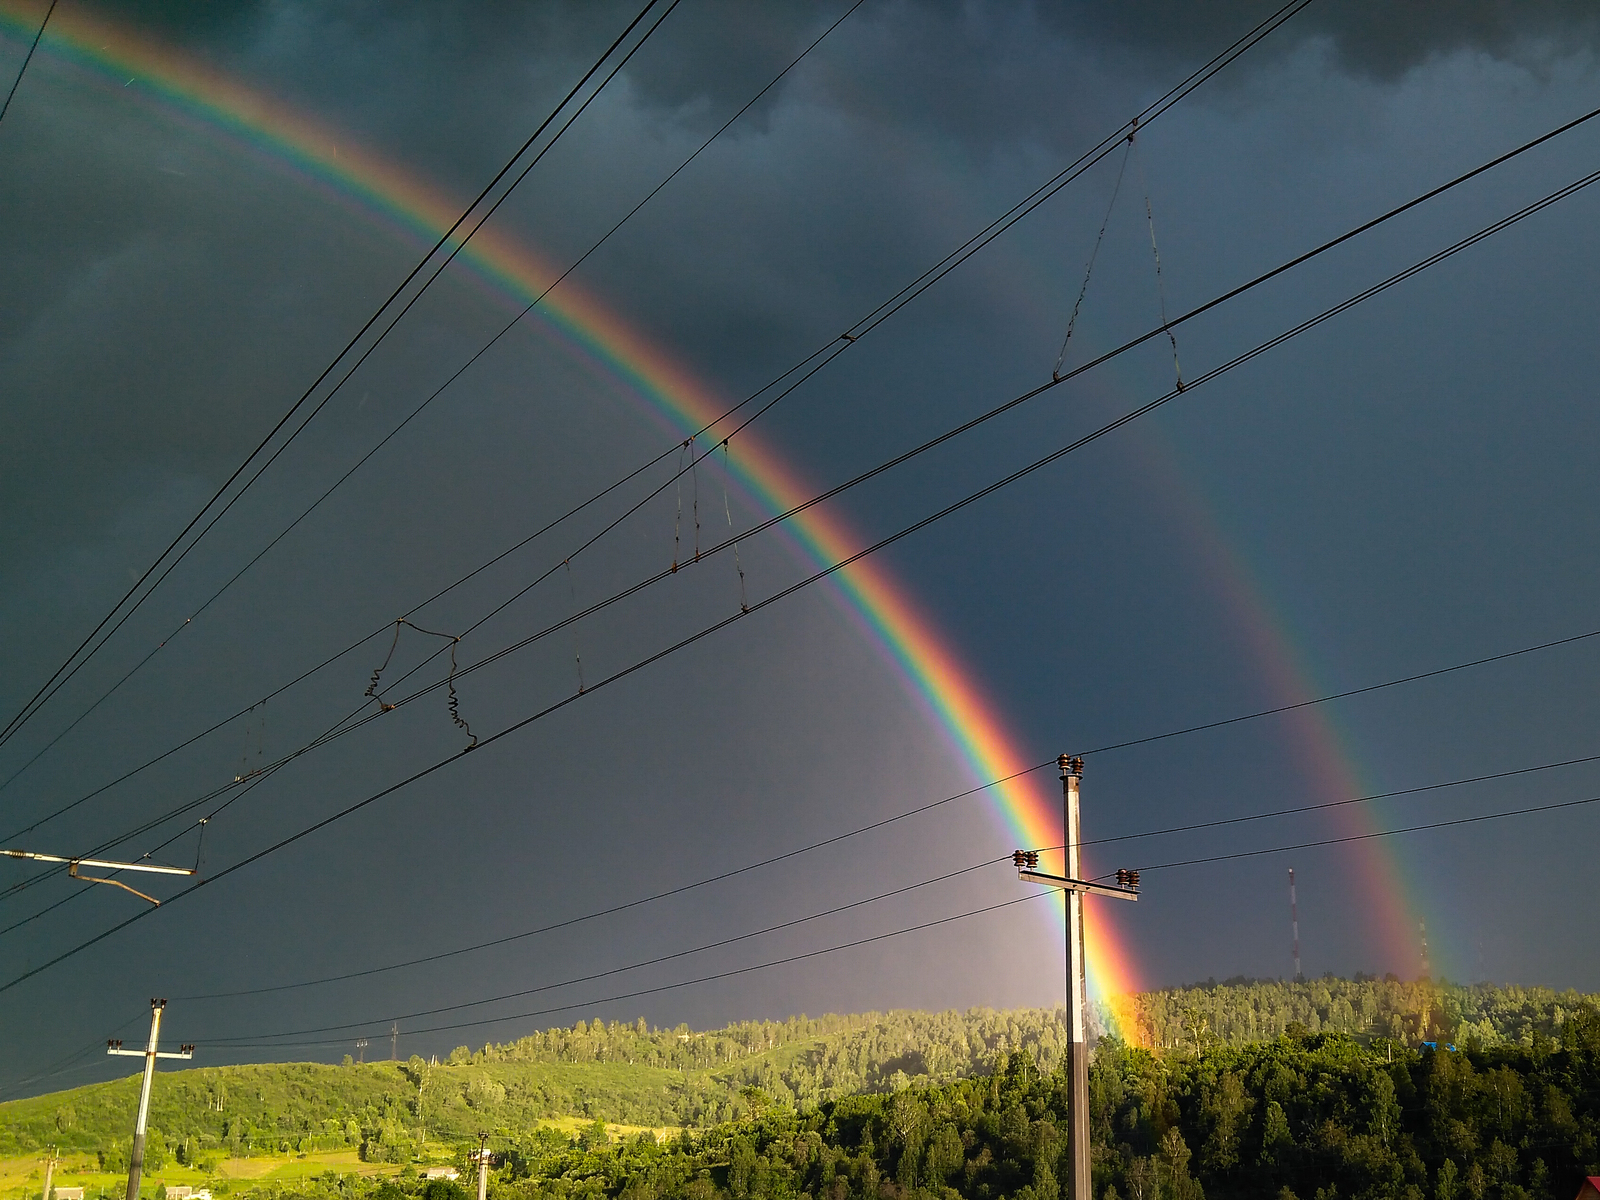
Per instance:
{"type": "Point", "coordinates": [152, 73]}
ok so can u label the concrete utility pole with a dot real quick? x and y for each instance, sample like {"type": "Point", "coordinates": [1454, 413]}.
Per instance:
{"type": "Point", "coordinates": [483, 1166]}
{"type": "Point", "coordinates": [361, 1050]}
{"type": "Point", "coordinates": [1078, 1184]}
{"type": "Point", "coordinates": [394, 1042]}
{"type": "Point", "coordinates": [150, 1054]}
{"type": "Point", "coordinates": [1294, 924]}
{"type": "Point", "coordinates": [50, 1170]}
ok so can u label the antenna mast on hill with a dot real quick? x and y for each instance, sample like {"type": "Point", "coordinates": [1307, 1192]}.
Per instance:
{"type": "Point", "coordinates": [1294, 925]}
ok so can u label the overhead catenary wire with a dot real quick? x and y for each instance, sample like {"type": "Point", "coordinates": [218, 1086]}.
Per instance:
{"type": "Point", "coordinates": [26, 59]}
{"type": "Point", "coordinates": [68, 669]}
{"type": "Point", "coordinates": [1209, 305]}
{"type": "Point", "coordinates": [991, 414]}
{"type": "Point", "coordinates": [906, 531]}
{"type": "Point", "coordinates": [876, 316]}
{"type": "Point", "coordinates": [1255, 282]}
{"type": "Point", "coordinates": [373, 346]}
{"type": "Point", "coordinates": [434, 395]}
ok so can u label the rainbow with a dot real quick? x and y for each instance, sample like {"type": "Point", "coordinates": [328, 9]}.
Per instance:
{"type": "Point", "coordinates": [1316, 737]}
{"type": "Point", "coordinates": [151, 73]}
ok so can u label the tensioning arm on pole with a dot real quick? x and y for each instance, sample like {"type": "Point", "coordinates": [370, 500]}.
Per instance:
{"type": "Point", "coordinates": [107, 864]}
{"type": "Point", "coordinates": [104, 864]}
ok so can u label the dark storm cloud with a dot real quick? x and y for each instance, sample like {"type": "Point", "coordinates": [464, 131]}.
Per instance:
{"type": "Point", "coordinates": [1381, 40]}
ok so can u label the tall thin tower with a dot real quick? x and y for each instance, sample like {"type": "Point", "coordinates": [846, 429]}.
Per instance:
{"type": "Point", "coordinates": [1294, 925]}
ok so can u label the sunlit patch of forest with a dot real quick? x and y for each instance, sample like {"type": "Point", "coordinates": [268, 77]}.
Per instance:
{"type": "Point", "coordinates": [1239, 1088]}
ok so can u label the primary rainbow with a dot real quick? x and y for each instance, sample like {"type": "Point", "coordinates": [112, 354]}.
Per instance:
{"type": "Point", "coordinates": [149, 72]}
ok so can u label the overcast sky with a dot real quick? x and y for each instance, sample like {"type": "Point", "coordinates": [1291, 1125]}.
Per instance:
{"type": "Point", "coordinates": [1407, 487]}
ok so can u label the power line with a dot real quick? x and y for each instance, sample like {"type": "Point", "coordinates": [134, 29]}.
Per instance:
{"type": "Point", "coordinates": [1109, 747]}
{"type": "Point", "coordinates": [1362, 837]}
{"type": "Point", "coordinates": [26, 59]}
{"type": "Point", "coordinates": [1327, 804]}
{"type": "Point", "coordinates": [243, 1043]}
{"type": "Point", "coordinates": [972, 498]}
{"type": "Point", "coordinates": [1150, 833]}
{"type": "Point", "coordinates": [1543, 808]}
{"type": "Point", "coordinates": [67, 669]}
{"type": "Point", "coordinates": [667, 987]}
{"type": "Point", "coordinates": [829, 350]}
{"type": "Point", "coordinates": [59, 1066]}
{"type": "Point", "coordinates": [651, 962]}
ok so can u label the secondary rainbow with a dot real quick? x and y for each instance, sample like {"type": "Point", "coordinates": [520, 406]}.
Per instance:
{"type": "Point", "coordinates": [148, 72]}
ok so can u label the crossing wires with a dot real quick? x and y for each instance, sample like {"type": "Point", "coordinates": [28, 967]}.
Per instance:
{"type": "Point", "coordinates": [168, 560]}
{"type": "Point", "coordinates": [796, 375]}
{"type": "Point", "coordinates": [843, 563]}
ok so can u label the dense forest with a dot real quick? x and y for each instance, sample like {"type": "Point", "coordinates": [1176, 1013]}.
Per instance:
{"type": "Point", "coordinates": [1245, 1088]}
{"type": "Point", "coordinates": [1316, 1116]}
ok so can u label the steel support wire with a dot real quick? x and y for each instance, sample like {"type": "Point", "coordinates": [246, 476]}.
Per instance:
{"type": "Point", "coordinates": [74, 662]}
{"type": "Point", "coordinates": [828, 571]}
{"type": "Point", "coordinates": [904, 296]}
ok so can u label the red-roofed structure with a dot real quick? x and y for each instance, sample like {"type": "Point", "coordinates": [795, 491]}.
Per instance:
{"type": "Point", "coordinates": [1590, 1189]}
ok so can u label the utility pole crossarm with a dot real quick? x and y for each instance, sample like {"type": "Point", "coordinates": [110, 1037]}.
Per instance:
{"type": "Point", "coordinates": [186, 1052]}
{"type": "Point", "coordinates": [1079, 885]}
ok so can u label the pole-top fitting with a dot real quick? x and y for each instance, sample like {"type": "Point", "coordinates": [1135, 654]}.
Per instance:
{"type": "Point", "coordinates": [154, 1003]}
{"type": "Point", "coordinates": [1071, 766]}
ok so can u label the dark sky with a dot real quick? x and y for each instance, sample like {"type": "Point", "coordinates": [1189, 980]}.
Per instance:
{"type": "Point", "coordinates": [1407, 487]}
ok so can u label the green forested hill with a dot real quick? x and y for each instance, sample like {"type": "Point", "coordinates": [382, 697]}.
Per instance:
{"type": "Point", "coordinates": [1239, 1012]}
{"type": "Point", "coordinates": [623, 1073]}
{"type": "Point", "coordinates": [1304, 1117]}
{"type": "Point", "coordinates": [635, 1075]}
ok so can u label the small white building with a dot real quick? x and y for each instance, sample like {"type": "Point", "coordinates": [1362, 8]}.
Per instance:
{"type": "Point", "coordinates": [67, 1193]}
{"type": "Point", "coordinates": [433, 1173]}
